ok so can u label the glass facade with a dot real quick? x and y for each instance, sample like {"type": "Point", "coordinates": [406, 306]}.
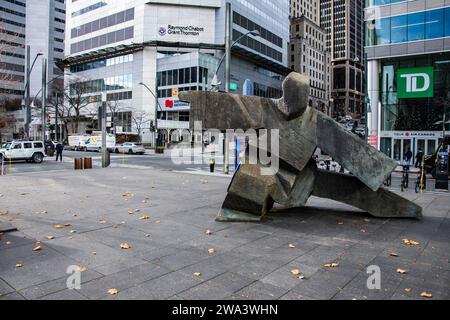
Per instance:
{"type": "Point", "coordinates": [424, 25]}
{"type": "Point", "coordinates": [419, 114]}
{"type": "Point", "coordinates": [373, 3]}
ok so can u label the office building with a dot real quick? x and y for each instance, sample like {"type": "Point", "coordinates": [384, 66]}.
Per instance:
{"type": "Point", "coordinates": [408, 58]}
{"type": "Point", "coordinates": [113, 46]}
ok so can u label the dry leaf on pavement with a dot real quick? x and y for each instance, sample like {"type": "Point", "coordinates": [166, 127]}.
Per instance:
{"type": "Point", "coordinates": [113, 291]}
{"type": "Point", "coordinates": [102, 221]}
{"type": "Point", "coordinates": [393, 254]}
{"type": "Point", "coordinates": [402, 271]}
{"type": "Point", "coordinates": [3, 213]}
{"type": "Point", "coordinates": [291, 246]}
{"type": "Point", "coordinates": [125, 246]}
{"type": "Point", "coordinates": [58, 226]}
{"type": "Point", "coordinates": [295, 272]}
{"type": "Point", "coordinates": [50, 237]}
{"type": "Point", "coordinates": [211, 251]}
{"type": "Point", "coordinates": [144, 217]}
{"type": "Point", "coordinates": [38, 248]}
{"type": "Point", "coordinates": [208, 232]}
{"type": "Point", "coordinates": [19, 265]}
{"type": "Point", "coordinates": [410, 242]}
{"type": "Point", "coordinates": [197, 274]}
{"type": "Point", "coordinates": [82, 269]}
{"type": "Point", "coordinates": [408, 290]}
{"type": "Point", "coordinates": [331, 265]}
{"type": "Point", "coordinates": [426, 295]}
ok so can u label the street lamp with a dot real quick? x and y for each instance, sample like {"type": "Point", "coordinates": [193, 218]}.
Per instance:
{"type": "Point", "coordinates": [27, 91]}
{"type": "Point", "coordinates": [158, 138]}
{"type": "Point", "coordinates": [215, 82]}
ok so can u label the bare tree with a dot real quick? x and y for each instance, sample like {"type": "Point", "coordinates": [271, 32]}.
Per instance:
{"type": "Point", "coordinates": [114, 108]}
{"type": "Point", "coordinates": [75, 92]}
{"type": "Point", "coordinates": [140, 119]}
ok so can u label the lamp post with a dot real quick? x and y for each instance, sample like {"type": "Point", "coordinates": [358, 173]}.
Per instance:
{"type": "Point", "coordinates": [215, 81]}
{"type": "Point", "coordinates": [27, 91]}
{"type": "Point", "coordinates": [158, 138]}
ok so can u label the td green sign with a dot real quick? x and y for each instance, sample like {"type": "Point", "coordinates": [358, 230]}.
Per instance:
{"type": "Point", "coordinates": [415, 83]}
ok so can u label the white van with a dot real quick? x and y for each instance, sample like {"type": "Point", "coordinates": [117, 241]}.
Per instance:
{"type": "Point", "coordinates": [78, 143]}
{"type": "Point", "coordinates": [23, 150]}
{"type": "Point", "coordinates": [94, 143]}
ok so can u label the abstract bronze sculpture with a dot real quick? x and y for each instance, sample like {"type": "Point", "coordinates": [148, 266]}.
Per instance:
{"type": "Point", "coordinates": [302, 130]}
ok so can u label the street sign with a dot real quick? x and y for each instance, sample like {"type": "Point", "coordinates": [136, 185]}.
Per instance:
{"type": "Point", "coordinates": [415, 83]}
{"type": "Point", "coordinates": [233, 86]}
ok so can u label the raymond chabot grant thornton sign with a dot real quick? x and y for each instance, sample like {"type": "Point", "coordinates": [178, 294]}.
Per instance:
{"type": "Point", "coordinates": [180, 30]}
{"type": "Point", "coordinates": [415, 83]}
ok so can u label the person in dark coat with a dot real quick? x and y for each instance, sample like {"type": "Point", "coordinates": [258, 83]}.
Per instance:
{"type": "Point", "coordinates": [59, 151]}
{"type": "Point", "coordinates": [419, 158]}
{"type": "Point", "coordinates": [408, 156]}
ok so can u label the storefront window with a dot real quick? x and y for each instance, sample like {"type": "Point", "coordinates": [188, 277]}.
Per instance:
{"type": "Point", "coordinates": [416, 114]}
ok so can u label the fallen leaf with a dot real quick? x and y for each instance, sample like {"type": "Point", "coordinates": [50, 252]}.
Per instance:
{"type": "Point", "coordinates": [144, 217]}
{"type": "Point", "coordinates": [3, 213]}
{"type": "Point", "coordinates": [19, 265]}
{"type": "Point", "coordinates": [209, 232]}
{"type": "Point", "coordinates": [72, 231]}
{"type": "Point", "coordinates": [130, 212]}
{"type": "Point", "coordinates": [211, 251]}
{"type": "Point", "coordinates": [67, 225]}
{"type": "Point", "coordinates": [127, 194]}
{"type": "Point", "coordinates": [82, 269]}
{"type": "Point", "coordinates": [94, 253]}
{"type": "Point", "coordinates": [74, 215]}
{"type": "Point", "coordinates": [402, 271]}
{"type": "Point", "coordinates": [410, 242]}
{"type": "Point", "coordinates": [393, 254]}
{"type": "Point", "coordinates": [197, 274]}
{"type": "Point", "coordinates": [50, 237]}
{"type": "Point", "coordinates": [302, 277]}
{"type": "Point", "coordinates": [408, 290]}
{"type": "Point", "coordinates": [58, 226]}
{"type": "Point", "coordinates": [102, 221]}
{"type": "Point", "coordinates": [44, 212]}
{"type": "Point", "coordinates": [137, 210]}
{"type": "Point", "coordinates": [38, 248]}
{"type": "Point", "coordinates": [125, 246]}
{"type": "Point", "coordinates": [291, 246]}
{"type": "Point", "coordinates": [295, 272]}
{"type": "Point", "coordinates": [113, 291]}
{"type": "Point", "coordinates": [8, 243]}
{"type": "Point", "coordinates": [426, 295]}
{"type": "Point", "coordinates": [331, 265]}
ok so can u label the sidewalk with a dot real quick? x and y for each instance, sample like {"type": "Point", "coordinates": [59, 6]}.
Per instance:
{"type": "Point", "coordinates": [82, 218]}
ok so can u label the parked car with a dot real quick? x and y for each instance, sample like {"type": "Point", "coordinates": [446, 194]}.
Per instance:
{"type": "Point", "coordinates": [130, 148]}
{"type": "Point", "coordinates": [431, 160]}
{"type": "Point", "coordinates": [23, 150]}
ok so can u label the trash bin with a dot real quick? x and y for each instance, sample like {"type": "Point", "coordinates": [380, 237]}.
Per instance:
{"type": "Point", "coordinates": [87, 163]}
{"type": "Point", "coordinates": [50, 152]}
{"type": "Point", "coordinates": [78, 164]}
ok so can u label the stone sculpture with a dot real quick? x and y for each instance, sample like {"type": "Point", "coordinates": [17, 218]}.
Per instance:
{"type": "Point", "coordinates": [302, 130]}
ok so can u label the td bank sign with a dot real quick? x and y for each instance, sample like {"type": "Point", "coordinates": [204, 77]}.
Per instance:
{"type": "Point", "coordinates": [415, 83]}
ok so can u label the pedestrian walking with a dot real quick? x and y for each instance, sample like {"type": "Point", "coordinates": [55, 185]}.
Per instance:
{"type": "Point", "coordinates": [419, 158]}
{"type": "Point", "coordinates": [59, 151]}
{"type": "Point", "coordinates": [408, 156]}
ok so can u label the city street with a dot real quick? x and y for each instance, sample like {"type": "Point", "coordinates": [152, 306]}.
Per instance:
{"type": "Point", "coordinates": [151, 234]}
